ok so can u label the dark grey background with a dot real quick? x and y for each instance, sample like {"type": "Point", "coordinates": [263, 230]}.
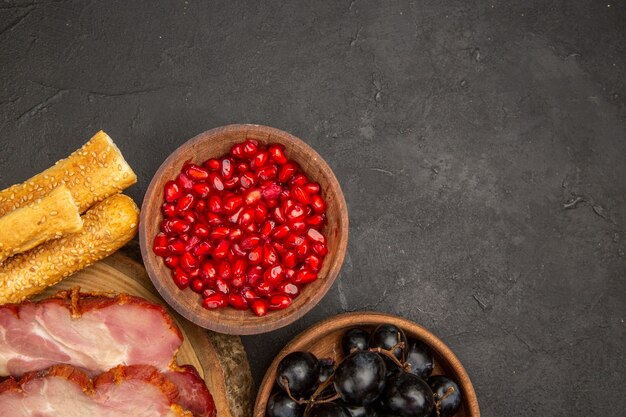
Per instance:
{"type": "Point", "coordinates": [458, 130]}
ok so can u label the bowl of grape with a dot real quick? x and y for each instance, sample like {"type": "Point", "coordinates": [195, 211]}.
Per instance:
{"type": "Point", "coordinates": [366, 364]}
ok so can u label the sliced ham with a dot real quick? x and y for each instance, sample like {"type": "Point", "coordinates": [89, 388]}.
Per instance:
{"type": "Point", "coordinates": [194, 395]}
{"type": "Point", "coordinates": [63, 390]}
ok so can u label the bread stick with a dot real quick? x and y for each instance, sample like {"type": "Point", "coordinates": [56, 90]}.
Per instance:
{"type": "Point", "coordinates": [106, 227]}
{"type": "Point", "coordinates": [92, 173]}
{"type": "Point", "coordinates": [48, 218]}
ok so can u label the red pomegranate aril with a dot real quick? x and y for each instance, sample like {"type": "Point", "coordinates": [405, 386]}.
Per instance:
{"type": "Point", "coordinates": [177, 247]}
{"type": "Point", "coordinates": [237, 282]}
{"type": "Point", "coordinates": [271, 191]}
{"type": "Point", "coordinates": [269, 255]}
{"type": "Point", "coordinates": [251, 228]}
{"type": "Point", "coordinates": [316, 221]}
{"type": "Point", "coordinates": [267, 172]}
{"type": "Point", "coordinates": [184, 203]}
{"type": "Point", "coordinates": [224, 270]}
{"type": "Point", "coordinates": [290, 273]}
{"type": "Point", "coordinates": [219, 233]}
{"type": "Point", "coordinates": [191, 243]}
{"type": "Point", "coordinates": [234, 217]}
{"type": "Point", "coordinates": [216, 182]}
{"type": "Point", "coordinates": [184, 181]}
{"type": "Point", "coordinates": [298, 179]}
{"type": "Point", "coordinates": [246, 217]}
{"type": "Point", "coordinates": [215, 204]}
{"type": "Point", "coordinates": [263, 288]}
{"type": "Point", "coordinates": [298, 226]}
{"type": "Point", "coordinates": [242, 167]}
{"type": "Point", "coordinates": [189, 217]}
{"type": "Point", "coordinates": [214, 219]}
{"type": "Point", "coordinates": [200, 230]}
{"type": "Point", "coordinates": [235, 234]}
{"type": "Point", "coordinates": [201, 189]}
{"type": "Point", "coordinates": [304, 276]}
{"type": "Point", "coordinates": [207, 292]}
{"type": "Point", "coordinates": [259, 160]}
{"type": "Point", "coordinates": [320, 249]}
{"type": "Point", "coordinates": [200, 206]}
{"type": "Point", "coordinates": [237, 150]}
{"type": "Point", "coordinates": [212, 164]}
{"type": "Point", "coordinates": [303, 249]}
{"type": "Point", "coordinates": [188, 262]}
{"type": "Point", "coordinates": [253, 196]}
{"type": "Point", "coordinates": [288, 288]}
{"type": "Point", "coordinates": [281, 231]}
{"type": "Point", "coordinates": [250, 242]}
{"type": "Point", "coordinates": [214, 301]}
{"type": "Point", "coordinates": [277, 213]}
{"type": "Point", "coordinates": [197, 173]}
{"type": "Point", "coordinates": [259, 307]}
{"type": "Point", "coordinates": [171, 261]}
{"type": "Point", "coordinates": [160, 246]}
{"type": "Point", "coordinates": [271, 203]}
{"type": "Point", "coordinates": [318, 204]}
{"type": "Point", "coordinates": [172, 191]}
{"type": "Point", "coordinates": [315, 236]}
{"type": "Point", "coordinates": [197, 286]}
{"type": "Point", "coordinates": [277, 153]}
{"type": "Point", "coordinates": [181, 279]}
{"type": "Point", "coordinates": [208, 270]}
{"type": "Point", "coordinates": [254, 274]}
{"type": "Point", "coordinates": [279, 247]}
{"type": "Point", "coordinates": [289, 259]}
{"type": "Point", "coordinates": [239, 267]}
{"type": "Point", "coordinates": [279, 302]}
{"type": "Point", "coordinates": [227, 168]}
{"type": "Point", "coordinates": [221, 250]}
{"type": "Point", "coordinates": [266, 229]}
{"type": "Point", "coordinates": [221, 286]}
{"type": "Point", "coordinates": [169, 210]}
{"type": "Point", "coordinates": [313, 262]}
{"type": "Point", "coordinates": [286, 205]}
{"type": "Point", "coordinates": [260, 212]}
{"type": "Point", "coordinates": [294, 240]}
{"type": "Point", "coordinates": [237, 250]}
{"type": "Point", "coordinates": [249, 294]}
{"type": "Point", "coordinates": [300, 195]}
{"type": "Point", "coordinates": [231, 183]}
{"type": "Point", "coordinates": [255, 256]}
{"type": "Point", "coordinates": [286, 172]}
{"type": "Point", "coordinates": [312, 187]}
{"type": "Point", "coordinates": [237, 301]}
{"type": "Point", "coordinates": [274, 275]}
{"type": "Point", "coordinates": [247, 180]}
{"type": "Point", "coordinates": [250, 147]}
{"type": "Point", "coordinates": [231, 204]}
{"type": "Point", "coordinates": [203, 249]}
{"type": "Point", "coordinates": [295, 213]}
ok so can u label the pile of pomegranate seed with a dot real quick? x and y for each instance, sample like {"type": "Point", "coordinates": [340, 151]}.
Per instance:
{"type": "Point", "coordinates": [244, 230]}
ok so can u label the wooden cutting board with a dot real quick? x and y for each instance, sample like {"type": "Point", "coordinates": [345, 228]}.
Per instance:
{"type": "Point", "coordinates": [220, 359]}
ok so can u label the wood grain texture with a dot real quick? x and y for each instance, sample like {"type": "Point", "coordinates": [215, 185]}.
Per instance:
{"type": "Point", "coordinates": [215, 143]}
{"type": "Point", "coordinates": [223, 366]}
{"type": "Point", "coordinates": [324, 341]}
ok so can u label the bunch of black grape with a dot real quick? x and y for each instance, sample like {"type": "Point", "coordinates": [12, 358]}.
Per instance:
{"type": "Point", "coordinates": [381, 375]}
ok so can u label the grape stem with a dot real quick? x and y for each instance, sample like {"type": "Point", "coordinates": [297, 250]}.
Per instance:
{"type": "Point", "coordinates": [438, 401]}
{"type": "Point", "coordinates": [389, 353]}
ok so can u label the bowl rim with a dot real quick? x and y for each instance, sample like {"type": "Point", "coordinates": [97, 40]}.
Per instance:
{"type": "Point", "coordinates": [266, 325]}
{"type": "Point", "coordinates": [368, 318]}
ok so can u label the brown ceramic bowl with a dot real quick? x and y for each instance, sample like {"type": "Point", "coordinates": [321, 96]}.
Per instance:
{"type": "Point", "coordinates": [215, 143]}
{"type": "Point", "coordinates": [324, 341]}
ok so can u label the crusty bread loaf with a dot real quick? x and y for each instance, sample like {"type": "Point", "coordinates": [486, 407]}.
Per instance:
{"type": "Point", "coordinates": [47, 218]}
{"type": "Point", "coordinates": [92, 173]}
{"type": "Point", "coordinates": [106, 227]}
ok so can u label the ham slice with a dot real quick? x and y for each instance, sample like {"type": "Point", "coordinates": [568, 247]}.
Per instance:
{"type": "Point", "coordinates": [63, 390]}
{"type": "Point", "coordinates": [97, 333]}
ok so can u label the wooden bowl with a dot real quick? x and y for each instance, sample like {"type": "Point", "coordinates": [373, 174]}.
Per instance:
{"type": "Point", "coordinates": [215, 143]}
{"type": "Point", "coordinates": [324, 341]}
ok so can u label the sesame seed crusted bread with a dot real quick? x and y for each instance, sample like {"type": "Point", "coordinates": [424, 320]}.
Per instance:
{"type": "Point", "coordinates": [107, 226]}
{"type": "Point", "coordinates": [92, 173]}
{"type": "Point", "coordinates": [47, 218]}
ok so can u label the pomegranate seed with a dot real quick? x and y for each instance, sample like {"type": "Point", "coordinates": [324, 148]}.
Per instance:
{"type": "Point", "coordinates": [221, 250]}
{"type": "Point", "coordinates": [237, 250]}
{"type": "Point", "coordinates": [274, 275]}
{"type": "Point", "coordinates": [320, 249]}
{"type": "Point", "coordinates": [312, 187]}
{"type": "Point", "coordinates": [242, 167]}
{"type": "Point", "coordinates": [286, 172]}
{"type": "Point", "coordinates": [290, 273]}
{"type": "Point", "coordinates": [171, 261]}
{"type": "Point", "coordinates": [295, 212]}
{"type": "Point", "coordinates": [254, 274]}
{"type": "Point", "coordinates": [237, 282]}
{"type": "Point", "coordinates": [231, 204]}
{"type": "Point", "coordinates": [253, 196]}
{"type": "Point", "coordinates": [316, 221]}
{"type": "Point", "coordinates": [227, 169]}
{"type": "Point", "coordinates": [179, 226]}
{"type": "Point", "coordinates": [207, 292]}
{"type": "Point", "coordinates": [177, 247]}
{"type": "Point", "coordinates": [246, 217]}
{"type": "Point", "coordinates": [263, 288]}
{"type": "Point", "coordinates": [235, 234]}
{"type": "Point", "coordinates": [298, 226]}
{"type": "Point", "coordinates": [216, 182]}
{"type": "Point", "coordinates": [191, 243]}
{"type": "Point", "coordinates": [234, 217]}
{"type": "Point", "coordinates": [213, 219]}
{"type": "Point", "coordinates": [304, 276]}
{"type": "Point", "coordinates": [184, 181]}
{"type": "Point", "coordinates": [181, 279]}
{"type": "Point", "coordinates": [281, 231]}
{"type": "Point", "coordinates": [203, 249]}
{"type": "Point", "coordinates": [215, 301]}
{"type": "Point", "coordinates": [277, 152]}
{"type": "Point", "coordinates": [189, 216]}
{"type": "Point", "coordinates": [168, 210]}
{"type": "Point", "coordinates": [315, 236]}
{"type": "Point", "coordinates": [255, 255]}
{"type": "Point", "coordinates": [239, 267]}
{"type": "Point", "coordinates": [300, 195]}
{"type": "Point", "coordinates": [212, 164]}
{"type": "Point", "coordinates": [215, 204]}
{"type": "Point", "coordinates": [219, 233]}
{"type": "Point", "coordinates": [298, 179]}
{"type": "Point", "coordinates": [249, 294]}
{"type": "Point", "coordinates": [269, 255]}
{"type": "Point", "coordinates": [160, 246]}
{"type": "Point", "coordinates": [294, 240]}
{"type": "Point", "coordinates": [221, 286]}
{"type": "Point", "coordinates": [303, 249]}
{"type": "Point", "coordinates": [266, 229]}
{"type": "Point", "coordinates": [200, 206]}
{"type": "Point", "coordinates": [201, 189]}
{"type": "Point", "coordinates": [259, 307]}
{"type": "Point", "coordinates": [251, 228]}
{"type": "Point", "coordinates": [313, 262]}
{"type": "Point", "coordinates": [267, 172]}
{"type": "Point", "coordinates": [224, 270]}
{"type": "Point", "coordinates": [238, 302]}
{"type": "Point", "coordinates": [279, 247]}
{"type": "Point", "coordinates": [278, 215]}
{"type": "Point", "coordinates": [288, 288]}
{"type": "Point", "coordinates": [259, 160]}
{"type": "Point", "coordinates": [318, 204]}
{"type": "Point", "coordinates": [248, 180]}
{"type": "Point", "coordinates": [200, 230]}
{"type": "Point", "coordinates": [289, 259]}
{"type": "Point", "coordinates": [250, 147]}
{"type": "Point", "coordinates": [237, 151]}
{"type": "Point", "coordinates": [260, 212]}
{"type": "Point", "coordinates": [184, 203]}
{"type": "Point", "coordinates": [231, 183]}
{"type": "Point", "coordinates": [172, 191]}
{"type": "Point", "coordinates": [279, 302]}
{"type": "Point", "coordinates": [250, 242]}
{"type": "Point", "coordinates": [197, 286]}
{"type": "Point", "coordinates": [208, 270]}
{"type": "Point", "coordinates": [197, 173]}
{"type": "Point", "coordinates": [188, 262]}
